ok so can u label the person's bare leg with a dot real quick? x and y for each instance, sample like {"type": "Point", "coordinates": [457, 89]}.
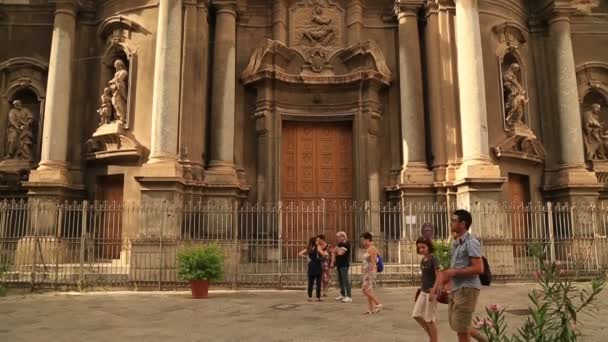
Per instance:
{"type": "Point", "coordinates": [463, 337]}
{"type": "Point", "coordinates": [432, 330]}
{"type": "Point", "coordinates": [423, 324]}
{"type": "Point", "coordinates": [478, 335]}
{"type": "Point", "coordinates": [370, 304]}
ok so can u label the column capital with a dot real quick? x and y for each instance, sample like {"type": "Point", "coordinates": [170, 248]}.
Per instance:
{"type": "Point", "coordinates": [407, 7]}
{"type": "Point", "coordinates": [70, 7]}
{"type": "Point", "coordinates": [227, 6]}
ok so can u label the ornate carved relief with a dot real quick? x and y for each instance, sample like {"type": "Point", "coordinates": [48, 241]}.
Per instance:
{"type": "Point", "coordinates": [21, 113]}
{"type": "Point", "coordinates": [592, 79]}
{"type": "Point", "coordinates": [520, 142]}
{"type": "Point", "coordinates": [112, 142]}
{"type": "Point", "coordinates": [316, 30]}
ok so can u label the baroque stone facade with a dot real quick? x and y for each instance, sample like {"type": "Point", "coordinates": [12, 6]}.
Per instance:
{"type": "Point", "coordinates": [269, 100]}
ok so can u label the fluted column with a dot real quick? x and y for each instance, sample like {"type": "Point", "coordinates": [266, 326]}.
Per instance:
{"type": "Point", "coordinates": [473, 111]}
{"type": "Point", "coordinates": [567, 104]}
{"type": "Point", "coordinates": [53, 159]}
{"type": "Point", "coordinates": [166, 96]}
{"type": "Point", "coordinates": [221, 152]}
{"type": "Point", "coordinates": [279, 21]}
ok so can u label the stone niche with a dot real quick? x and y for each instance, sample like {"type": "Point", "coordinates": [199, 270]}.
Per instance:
{"type": "Point", "coordinates": [21, 118]}
{"type": "Point", "coordinates": [520, 142]}
{"type": "Point", "coordinates": [112, 141]}
{"type": "Point", "coordinates": [314, 77]}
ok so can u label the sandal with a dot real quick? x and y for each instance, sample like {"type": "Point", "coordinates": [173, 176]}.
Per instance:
{"type": "Point", "coordinates": [368, 312]}
{"type": "Point", "coordinates": [378, 308]}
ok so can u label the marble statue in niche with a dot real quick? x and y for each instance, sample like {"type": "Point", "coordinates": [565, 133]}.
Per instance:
{"type": "Point", "coordinates": [20, 135]}
{"type": "Point", "coordinates": [114, 97]}
{"type": "Point", "coordinates": [595, 134]}
{"type": "Point", "coordinates": [516, 97]}
{"type": "Point", "coordinates": [321, 30]}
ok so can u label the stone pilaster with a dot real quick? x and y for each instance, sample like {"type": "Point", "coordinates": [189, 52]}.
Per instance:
{"type": "Point", "coordinates": [221, 152]}
{"type": "Point", "coordinates": [354, 21]}
{"type": "Point", "coordinates": [478, 179]}
{"type": "Point", "coordinates": [416, 179]}
{"type": "Point", "coordinates": [279, 21]}
{"type": "Point", "coordinates": [572, 181]}
{"type": "Point", "coordinates": [166, 96]}
{"type": "Point", "coordinates": [52, 179]}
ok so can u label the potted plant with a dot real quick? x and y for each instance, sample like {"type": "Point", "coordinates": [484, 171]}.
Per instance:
{"type": "Point", "coordinates": [200, 266]}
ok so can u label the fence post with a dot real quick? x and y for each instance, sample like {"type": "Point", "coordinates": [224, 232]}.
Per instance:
{"type": "Point", "coordinates": [35, 244]}
{"type": "Point", "coordinates": [322, 215]}
{"type": "Point", "coordinates": [551, 231]}
{"type": "Point", "coordinates": [83, 234]}
{"type": "Point", "coordinates": [235, 240]}
{"type": "Point", "coordinates": [594, 223]}
{"type": "Point", "coordinates": [164, 212]}
{"type": "Point", "coordinates": [280, 241]}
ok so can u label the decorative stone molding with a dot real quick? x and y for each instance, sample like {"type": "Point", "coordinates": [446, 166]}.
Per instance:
{"type": "Point", "coordinates": [112, 143]}
{"type": "Point", "coordinates": [521, 144]}
{"type": "Point", "coordinates": [510, 34]}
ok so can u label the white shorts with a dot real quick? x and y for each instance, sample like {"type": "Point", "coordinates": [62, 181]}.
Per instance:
{"type": "Point", "coordinates": [424, 308]}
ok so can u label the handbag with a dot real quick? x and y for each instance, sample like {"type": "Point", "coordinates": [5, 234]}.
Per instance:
{"type": "Point", "coordinates": [443, 297]}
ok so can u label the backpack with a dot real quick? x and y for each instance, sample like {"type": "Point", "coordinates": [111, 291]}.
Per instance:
{"type": "Point", "coordinates": [486, 276]}
{"type": "Point", "coordinates": [379, 264]}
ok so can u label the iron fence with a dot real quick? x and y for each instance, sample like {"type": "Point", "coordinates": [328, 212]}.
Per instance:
{"type": "Point", "coordinates": [82, 244]}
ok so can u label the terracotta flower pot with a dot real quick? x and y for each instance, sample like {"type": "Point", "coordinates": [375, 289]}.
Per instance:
{"type": "Point", "coordinates": [200, 288]}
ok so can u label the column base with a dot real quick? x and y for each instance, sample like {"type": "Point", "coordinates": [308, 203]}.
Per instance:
{"type": "Point", "coordinates": [162, 168]}
{"type": "Point", "coordinates": [52, 181]}
{"type": "Point", "coordinates": [222, 175]}
{"type": "Point", "coordinates": [413, 184]}
{"type": "Point", "coordinates": [572, 184]}
{"type": "Point", "coordinates": [478, 182]}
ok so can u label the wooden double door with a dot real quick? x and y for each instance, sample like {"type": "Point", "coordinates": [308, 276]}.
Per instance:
{"type": "Point", "coordinates": [316, 179]}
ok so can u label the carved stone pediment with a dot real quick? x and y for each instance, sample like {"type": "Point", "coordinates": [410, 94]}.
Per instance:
{"type": "Point", "coordinates": [522, 144]}
{"type": "Point", "coordinates": [275, 60]}
{"type": "Point", "coordinates": [112, 143]}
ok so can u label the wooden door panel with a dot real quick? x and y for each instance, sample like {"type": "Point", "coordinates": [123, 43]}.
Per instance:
{"type": "Point", "coordinates": [109, 234]}
{"type": "Point", "coordinates": [519, 196]}
{"type": "Point", "coordinates": [316, 164]}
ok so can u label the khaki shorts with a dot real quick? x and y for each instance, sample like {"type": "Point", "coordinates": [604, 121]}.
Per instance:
{"type": "Point", "coordinates": [461, 309]}
{"type": "Point", "coordinates": [424, 308]}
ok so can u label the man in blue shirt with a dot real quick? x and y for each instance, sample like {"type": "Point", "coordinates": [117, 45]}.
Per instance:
{"type": "Point", "coordinates": [463, 276]}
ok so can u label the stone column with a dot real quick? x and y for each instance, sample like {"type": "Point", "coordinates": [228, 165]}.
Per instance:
{"type": "Point", "coordinates": [53, 159]}
{"type": "Point", "coordinates": [279, 21]}
{"type": "Point", "coordinates": [478, 180]}
{"type": "Point", "coordinates": [221, 152]}
{"type": "Point", "coordinates": [567, 104]}
{"type": "Point", "coordinates": [354, 21]}
{"type": "Point", "coordinates": [416, 176]}
{"type": "Point", "coordinates": [572, 182]}
{"type": "Point", "coordinates": [166, 96]}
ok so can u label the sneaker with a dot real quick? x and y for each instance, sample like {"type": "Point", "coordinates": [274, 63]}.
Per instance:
{"type": "Point", "coordinates": [347, 300]}
{"type": "Point", "coordinates": [340, 298]}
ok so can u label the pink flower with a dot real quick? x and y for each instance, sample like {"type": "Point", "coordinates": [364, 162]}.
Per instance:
{"type": "Point", "coordinates": [536, 275]}
{"type": "Point", "coordinates": [573, 325]}
{"type": "Point", "coordinates": [562, 272]}
{"type": "Point", "coordinates": [495, 307]}
{"type": "Point", "coordinates": [483, 323]}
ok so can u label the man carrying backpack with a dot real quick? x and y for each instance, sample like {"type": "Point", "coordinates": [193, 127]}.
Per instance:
{"type": "Point", "coordinates": [463, 277]}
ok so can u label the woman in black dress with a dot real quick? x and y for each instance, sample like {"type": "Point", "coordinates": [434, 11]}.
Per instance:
{"type": "Point", "coordinates": [315, 270]}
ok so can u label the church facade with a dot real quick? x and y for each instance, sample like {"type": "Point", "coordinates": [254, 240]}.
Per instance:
{"type": "Point", "coordinates": [300, 100]}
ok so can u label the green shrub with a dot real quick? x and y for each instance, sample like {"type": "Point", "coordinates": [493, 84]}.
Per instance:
{"type": "Point", "coordinates": [554, 311]}
{"type": "Point", "coordinates": [443, 253]}
{"type": "Point", "coordinates": [3, 269]}
{"type": "Point", "coordinates": [200, 263]}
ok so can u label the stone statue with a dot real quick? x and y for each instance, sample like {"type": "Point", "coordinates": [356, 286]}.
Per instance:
{"type": "Point", "coordinates": [105, 111]}
{"type": "Point", "coordinates": [118, 87]}
{"type": "Point", "coordinates": [19, 137]}
{"type": "Point", "coordinates": [517, 97]}
{"type": "Point", "coordinates": [593, 136]}
{"type": "Point", "coordinates": [321, 30]}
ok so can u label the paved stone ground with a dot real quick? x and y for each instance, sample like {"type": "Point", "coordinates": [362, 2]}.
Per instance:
{"type": "Point", "coordinates": [235, 316]}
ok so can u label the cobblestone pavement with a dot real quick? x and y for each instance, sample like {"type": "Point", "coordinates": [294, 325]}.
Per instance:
{"type": "Point", "coordinates": [237, 316]}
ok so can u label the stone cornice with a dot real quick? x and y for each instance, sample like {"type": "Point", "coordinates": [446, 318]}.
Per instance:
{"type": "Point", "coordinates": [225, 6]}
